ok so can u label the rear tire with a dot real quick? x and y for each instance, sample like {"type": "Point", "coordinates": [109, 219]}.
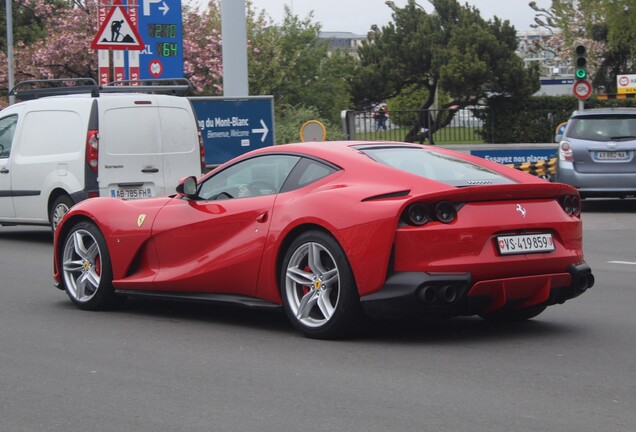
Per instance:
{"type": "Point", "coordinates": [86, 269]}
{"type": "Point", "coordinates": [515, 315]}
{"type": "Point", "coordinates": [318, 289]}
{"type": "Point", "coordinates": [61, 206]}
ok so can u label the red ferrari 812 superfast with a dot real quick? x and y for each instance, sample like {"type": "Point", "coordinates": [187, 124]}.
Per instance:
{"type": "Point", "coordinates": [332, 232]}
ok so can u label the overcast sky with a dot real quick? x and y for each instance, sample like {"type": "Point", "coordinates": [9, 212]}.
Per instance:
{"type": "Point", "coordinates": [357, 16]}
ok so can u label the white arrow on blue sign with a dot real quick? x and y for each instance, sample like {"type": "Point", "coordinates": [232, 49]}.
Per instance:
{"type": "Point", "coordinates": [262, 130]}
{"type": "Point", "coordinates": [231, 127]}
{"type": "Point", "coordinates": [161, 29]}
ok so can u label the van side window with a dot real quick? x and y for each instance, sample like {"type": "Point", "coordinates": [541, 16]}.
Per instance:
{"type": "Point", "coordinates": [7, 130]}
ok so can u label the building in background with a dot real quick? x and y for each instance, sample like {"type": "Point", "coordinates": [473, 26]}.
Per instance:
{"type": "Point", "coordinates": [557, 75]}
{"type": "Point", "coordinates": [347, 41]}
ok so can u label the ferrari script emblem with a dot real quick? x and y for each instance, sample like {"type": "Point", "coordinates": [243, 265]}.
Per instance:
{"type": "Point", "coordinates": [521, 210]}
{"type": "Point", "coordinates": [140, 220]}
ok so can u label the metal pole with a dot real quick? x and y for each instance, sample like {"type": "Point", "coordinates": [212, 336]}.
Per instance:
{"type": "Point", "coordinates": [10, 79]}
{"type": "Point", "coordinates": [234, 33]}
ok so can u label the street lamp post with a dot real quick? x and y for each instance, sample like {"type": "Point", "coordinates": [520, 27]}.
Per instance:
{"type": "Point", "coordinates": [10, 79]}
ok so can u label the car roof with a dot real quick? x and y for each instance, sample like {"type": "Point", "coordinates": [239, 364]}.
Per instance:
{"type": "Point", "coordinates": [604, 111]}
{"type": "Point", "coordinates": [333, 151]}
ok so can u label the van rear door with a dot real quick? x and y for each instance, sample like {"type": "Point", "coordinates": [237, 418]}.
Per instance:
{"type": "Point", "coordinates": [147, 143]}
{"type": "Point", "coordinates": [182, 154]}
{"type": "Point", "coordinates": [130, 155]}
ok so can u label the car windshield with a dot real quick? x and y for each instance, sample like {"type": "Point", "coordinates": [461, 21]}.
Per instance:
{"type": "Point", "coordinates": [603, 128]}
{"type": "Point", "coordinates": [435, 166]}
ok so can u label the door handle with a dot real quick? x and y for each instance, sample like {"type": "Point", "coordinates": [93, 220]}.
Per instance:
{"type": "Point", "coordinates": [4, 171]}
{"type": "Point", "coordinates": [262, 218]}
{"type": "Point", "coordinates": [150, 170]}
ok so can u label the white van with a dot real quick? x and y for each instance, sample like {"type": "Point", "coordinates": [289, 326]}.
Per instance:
{"type": "Point", "coordinates": [58, 150]}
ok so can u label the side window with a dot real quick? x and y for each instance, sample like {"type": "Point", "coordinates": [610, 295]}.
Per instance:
{"type": "Point", "coordinates": [314, 172]}
{"type": "Point", "coordinates": [306, 172]}
{"type": "Point", "coordinates": [7, 130]}
{"type": "Point", "coordinates": [258, 176]}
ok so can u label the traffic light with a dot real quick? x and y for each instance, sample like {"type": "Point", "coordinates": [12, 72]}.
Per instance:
{"type": "Point", "coordinates": [580, 62]}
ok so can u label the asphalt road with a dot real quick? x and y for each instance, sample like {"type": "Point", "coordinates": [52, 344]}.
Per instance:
{"type": "Point", "coordinates": [157, 366]}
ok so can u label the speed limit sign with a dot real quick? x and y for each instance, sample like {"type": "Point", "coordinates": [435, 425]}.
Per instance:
{"type": "Point", "coordinates": [582, 89]}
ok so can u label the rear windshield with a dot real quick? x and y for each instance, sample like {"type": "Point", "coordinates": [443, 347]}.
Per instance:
{"type": "Point", "coordinates": [435, 166]}
{"type": "Point", "coordinates": [603, 128]}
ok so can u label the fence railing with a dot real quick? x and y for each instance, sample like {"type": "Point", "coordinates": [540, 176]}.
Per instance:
{"type": "Point", "coordinates": [463, 128]}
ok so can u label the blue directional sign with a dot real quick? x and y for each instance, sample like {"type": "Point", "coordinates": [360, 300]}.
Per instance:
{"type": "Point", "coordinates": [232, 127]}
{"type": "Point", "coordinates": [161, 29]}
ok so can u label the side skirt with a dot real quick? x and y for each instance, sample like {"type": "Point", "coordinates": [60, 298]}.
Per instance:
{"type": "Point", "coordinates": [245, 301]}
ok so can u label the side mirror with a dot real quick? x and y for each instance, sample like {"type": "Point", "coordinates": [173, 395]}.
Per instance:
{"type": "Point", "coordinates": [187, 187]}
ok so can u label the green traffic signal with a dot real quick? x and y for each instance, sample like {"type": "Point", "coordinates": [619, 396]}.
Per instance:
{"type": "Point", "coordinates": [580, 61]}
{"type": "Point", "coordinates": [580, 73]}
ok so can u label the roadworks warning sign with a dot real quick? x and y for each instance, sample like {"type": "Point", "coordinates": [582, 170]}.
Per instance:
{"type": "Point", "coordinates": [117, 32]}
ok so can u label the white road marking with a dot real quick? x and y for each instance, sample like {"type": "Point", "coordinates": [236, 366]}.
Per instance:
{"type": "Point", "coordinates": [622, 262]}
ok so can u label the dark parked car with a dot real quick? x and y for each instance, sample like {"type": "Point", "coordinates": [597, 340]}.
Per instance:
{"type": "Point", "coordinates": [596, 152]}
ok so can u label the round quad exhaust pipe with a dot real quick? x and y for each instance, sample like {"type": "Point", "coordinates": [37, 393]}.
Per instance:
{"type": "Point", "coordinates": [447, 293]}
{"type": "Point", "coordinates": [427, 294]}
{"type": "Point", "coordinates": [583, 282]}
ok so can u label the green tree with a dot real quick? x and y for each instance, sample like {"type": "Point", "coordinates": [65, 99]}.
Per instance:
{"type": "Point", "coordinates": [291, 62]}
{"type": "Point", "coordinates": [452, 50]}
{"type": "Point", "coordinates": [606, 27]}
{"type": "Point", "coordinates": [28, 26]}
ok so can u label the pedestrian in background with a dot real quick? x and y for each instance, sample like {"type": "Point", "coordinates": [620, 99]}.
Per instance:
{"type": "Point", "coordinates": [380, 115]}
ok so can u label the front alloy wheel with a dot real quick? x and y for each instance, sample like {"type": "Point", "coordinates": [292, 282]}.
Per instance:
{"type": "Point", "coordinates": [318, 289]}
{"type": "Point", "coordinates": [86, 270]}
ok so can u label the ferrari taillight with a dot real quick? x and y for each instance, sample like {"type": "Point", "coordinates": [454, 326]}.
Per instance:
{"type": "Point", "coordinates": [416, 214]}
{"type": "Point", "coordinates": [445, 212]}
{"type": "Point", "coordinates": [419, 214]}
{"type": "Point", "coordinates": [92, 149]}
{"type": "Point", "coordinates": [571, 205]}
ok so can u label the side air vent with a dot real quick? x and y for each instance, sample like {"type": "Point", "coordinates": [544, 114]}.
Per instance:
{"type": "Point", "coordinates": [398, 194]}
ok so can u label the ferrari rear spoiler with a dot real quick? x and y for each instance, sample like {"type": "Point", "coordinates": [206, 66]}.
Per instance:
{"type": "Point", "coordinates": [505, 192]}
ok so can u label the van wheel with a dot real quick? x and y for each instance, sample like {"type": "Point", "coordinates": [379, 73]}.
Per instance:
{"type": "Point", "coordinates": [61, 206]}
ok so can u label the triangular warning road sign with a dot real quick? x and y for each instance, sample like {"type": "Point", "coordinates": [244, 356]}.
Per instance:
{"type": "Point", "coordinates": [117, 32]}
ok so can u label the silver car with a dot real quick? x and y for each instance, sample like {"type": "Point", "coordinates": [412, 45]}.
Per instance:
{"type": "Point", "coordinates": [596, 152]}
